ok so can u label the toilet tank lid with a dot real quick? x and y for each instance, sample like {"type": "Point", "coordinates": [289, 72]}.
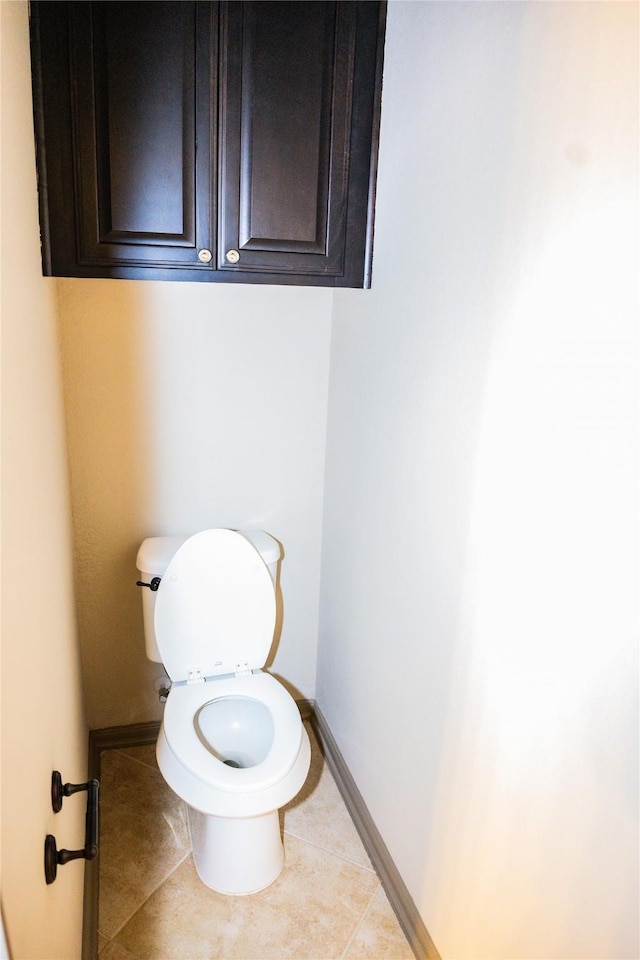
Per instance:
{"type": "Point", "coordinates": [155, 553]}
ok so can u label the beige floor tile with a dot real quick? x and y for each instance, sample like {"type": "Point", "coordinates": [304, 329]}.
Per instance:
{"type": "Point", "coordinates": [324, 905]}
{"type": "Point", "coordinates": [310, 912]}
{"type": "Point", "coordinates": [318, 814]}
{"type": "Point", "coordinates": [379, 936]}
{"type": "Point", "coordinates": [143, 836]}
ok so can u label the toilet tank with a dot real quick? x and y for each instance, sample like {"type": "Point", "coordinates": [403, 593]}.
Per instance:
{"type": "Point", "coordinates": [153, 559]}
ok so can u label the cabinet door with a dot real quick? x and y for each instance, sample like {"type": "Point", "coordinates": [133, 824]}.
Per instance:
{"type": "Point", "coordinates": [192, 140]}
{"type": "Point", "coordinates": [142, 132]}
{"type": "Point", "coordinates": [284, 139]}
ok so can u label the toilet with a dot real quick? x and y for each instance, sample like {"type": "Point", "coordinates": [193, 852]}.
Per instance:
{"type": "Point", "coordinates": [231, 744]}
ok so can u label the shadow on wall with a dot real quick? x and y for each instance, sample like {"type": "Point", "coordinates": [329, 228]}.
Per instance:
{"type": "Point", "coordinates": [109, 418]}
{"type": "Point", "coordinates": [188, 406]}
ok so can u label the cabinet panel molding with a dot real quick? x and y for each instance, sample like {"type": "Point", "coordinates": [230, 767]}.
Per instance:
{"type": "Point", "coordinates": [136, 125]}
{"type": "Point", "coordinates": [226, 142]}
{"type": "Point", "coordinates": [284, 145]}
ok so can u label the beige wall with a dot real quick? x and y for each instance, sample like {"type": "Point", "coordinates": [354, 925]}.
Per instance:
{"type": "Point", "coordinates": [190, 406]}
{"type": "Point", "coordinates": [478, 651]}
{"type": "Point", "coordinates": [43, 726]}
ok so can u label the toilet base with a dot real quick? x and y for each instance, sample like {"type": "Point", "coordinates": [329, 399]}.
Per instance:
{"type": "Point", "coordinates": [236, 856]}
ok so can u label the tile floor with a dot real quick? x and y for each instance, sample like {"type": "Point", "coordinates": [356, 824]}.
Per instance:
{"type": "Point", "coordinates": [327, 903]}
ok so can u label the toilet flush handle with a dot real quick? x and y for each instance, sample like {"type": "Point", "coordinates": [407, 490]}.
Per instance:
{"type": "Point", "coordinates": [153, 586]}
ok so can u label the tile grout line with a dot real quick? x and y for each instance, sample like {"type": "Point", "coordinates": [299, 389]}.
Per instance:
{"type": "Point", "coordinates": [359, 923]}
{"type": "Point", "coordinates": [147, 766]}
{"type": "Point", "coordinates": [154, 769]}
{"type": "Point", "coordinates": [121, 947]}
{"type": "Point", "coordinates": [333, 853]}
{"type": "Point", "coordinates": [142, 903]}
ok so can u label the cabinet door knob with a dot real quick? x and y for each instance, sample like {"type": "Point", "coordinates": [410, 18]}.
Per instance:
{"type": "Point", "coordinates": [232, 256]}
{"type": "Point", "coordinates": [204, 256]}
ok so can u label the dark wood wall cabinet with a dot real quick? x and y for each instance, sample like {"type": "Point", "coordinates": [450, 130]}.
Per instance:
{"type": "Point", "coordinates": [221, 142]}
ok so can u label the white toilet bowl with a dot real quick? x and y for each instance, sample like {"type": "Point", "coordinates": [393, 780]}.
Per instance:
{"type": "Point", "coordinates": [231, 744]}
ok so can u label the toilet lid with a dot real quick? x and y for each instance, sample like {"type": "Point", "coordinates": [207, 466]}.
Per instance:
{"type": "Point", "coordinates": [215, 608]}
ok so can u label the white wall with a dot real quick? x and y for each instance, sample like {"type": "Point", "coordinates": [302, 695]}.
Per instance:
{"type": "Point", "coordinates": [478, 638]}
{"type": "Point", "coordinates": [190, 405]}
{"type": "Point", "coordinates": [43, 725]}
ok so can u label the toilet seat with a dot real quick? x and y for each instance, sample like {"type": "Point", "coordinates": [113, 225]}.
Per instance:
{"type": "Point", "coordinates": [215, 608]}
{"type": "Point", "coordinates": [186, 699]}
